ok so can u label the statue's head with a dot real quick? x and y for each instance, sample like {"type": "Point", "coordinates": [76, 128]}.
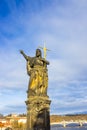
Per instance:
{"type": "Point", "coordinates": [38, 53]}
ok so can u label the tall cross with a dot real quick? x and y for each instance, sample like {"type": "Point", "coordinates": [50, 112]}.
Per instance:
{"type": "Point", "coordinates": [45, 50]}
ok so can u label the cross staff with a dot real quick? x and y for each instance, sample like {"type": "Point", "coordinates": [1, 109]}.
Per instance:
{"type": "Point", "coordinates": [45, 50]}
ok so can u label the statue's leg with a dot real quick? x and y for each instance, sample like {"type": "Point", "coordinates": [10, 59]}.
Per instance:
{"type": "Point", "coordinates": [32, 84]}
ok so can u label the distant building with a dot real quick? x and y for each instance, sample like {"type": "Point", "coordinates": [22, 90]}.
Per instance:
{"type": "Point", "coordinates": [8, 120]}
{"type": "Point", "coordinates": [14, 115]}
{"type": "Point", "coordinates": [22, 120]}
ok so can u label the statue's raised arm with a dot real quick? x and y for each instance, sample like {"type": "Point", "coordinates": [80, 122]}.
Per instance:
{"type": "Point", "coordinates": [25, 56]}
{"type": "Point", "coordinates": [28, 59]}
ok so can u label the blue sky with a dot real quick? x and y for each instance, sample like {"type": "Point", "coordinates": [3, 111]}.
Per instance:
{"type": "Point", "coordinates": [27, 24]}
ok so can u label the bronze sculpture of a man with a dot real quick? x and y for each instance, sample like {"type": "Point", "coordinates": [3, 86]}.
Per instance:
{"type": "Point", "coordinates": [37, 70]}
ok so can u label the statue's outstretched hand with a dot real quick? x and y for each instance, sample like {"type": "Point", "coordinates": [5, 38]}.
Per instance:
{"type": "Point", "coordinates": [21, 51]}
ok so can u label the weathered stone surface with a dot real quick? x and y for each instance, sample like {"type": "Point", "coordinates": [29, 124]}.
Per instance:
{"type": "Point", "coordinates": [38, 103]}
{"type": "Point", "coordinates": [38, 109]}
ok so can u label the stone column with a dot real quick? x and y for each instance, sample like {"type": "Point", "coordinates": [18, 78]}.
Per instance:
{"type": "Point", "coordinates": [38, 113]}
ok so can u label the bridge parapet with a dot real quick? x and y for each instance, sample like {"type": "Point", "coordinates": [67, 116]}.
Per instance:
{"type": "Point", "coordinates": [65, 123]}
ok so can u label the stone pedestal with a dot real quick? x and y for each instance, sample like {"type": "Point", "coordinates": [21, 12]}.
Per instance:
{"type": "Point", "coordinates": [38, 113]}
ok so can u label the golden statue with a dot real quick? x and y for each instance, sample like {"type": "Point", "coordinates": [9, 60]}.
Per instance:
{"type": "Point", "coordinates": [37, 70]}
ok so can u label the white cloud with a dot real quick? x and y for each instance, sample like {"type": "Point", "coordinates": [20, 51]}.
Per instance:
{"type": "Point", "coordinates": [64, 28]}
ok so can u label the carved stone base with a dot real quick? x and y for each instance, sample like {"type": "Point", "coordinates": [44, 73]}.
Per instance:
{"type": "Point", "coordinates": [38, 113]}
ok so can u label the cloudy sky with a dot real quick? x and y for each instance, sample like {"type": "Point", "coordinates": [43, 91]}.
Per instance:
{"type": "Point", "coordinates": [27, 24]}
